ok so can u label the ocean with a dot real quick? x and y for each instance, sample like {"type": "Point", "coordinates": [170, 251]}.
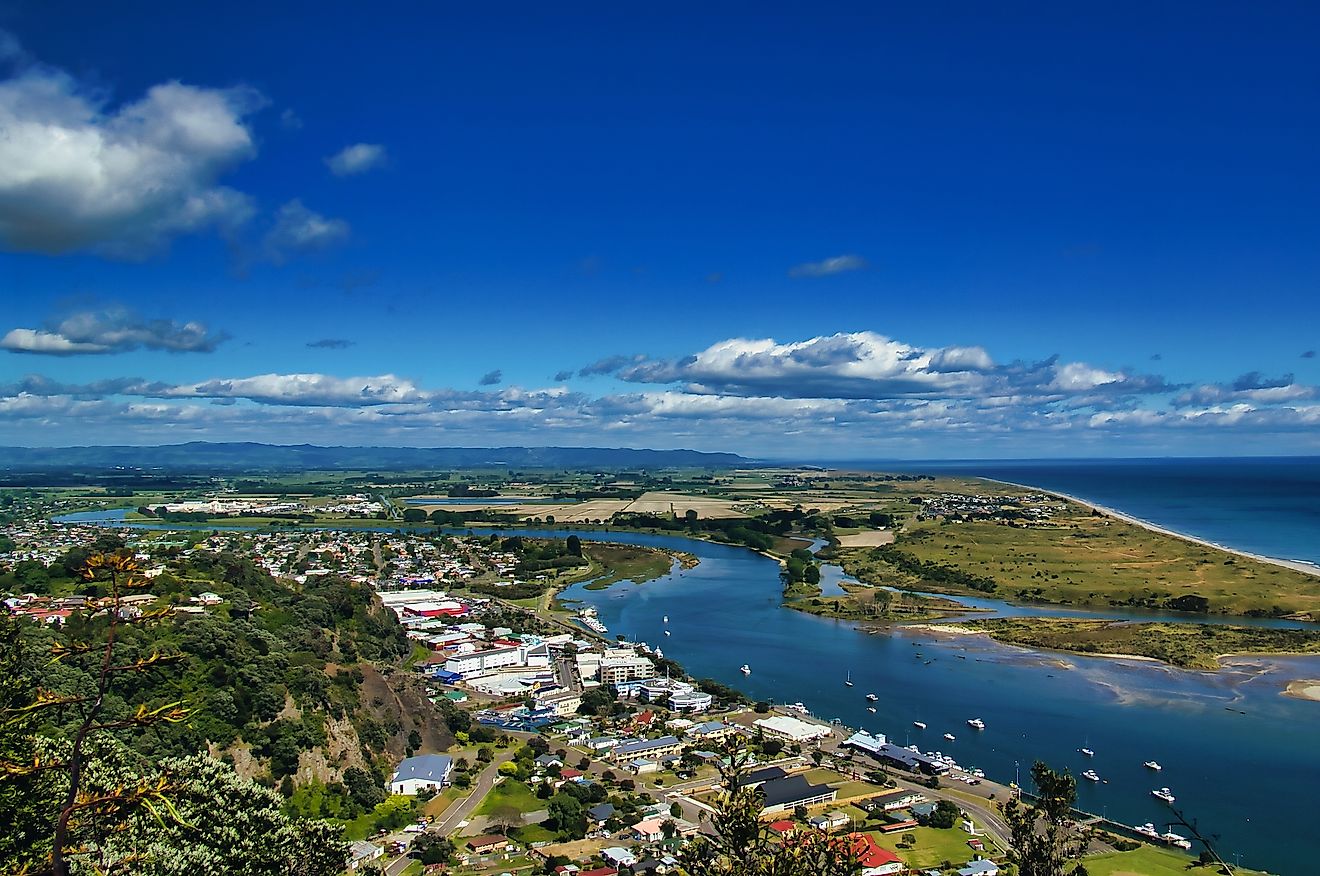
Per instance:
{"type": "Point", "coordinates": [1263, 505]}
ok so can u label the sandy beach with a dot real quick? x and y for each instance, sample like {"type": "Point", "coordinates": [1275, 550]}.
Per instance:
{"type": "Point", "coordinates": [1295, 565]}
{"type": "Point", "coordinates": [1304, 689]}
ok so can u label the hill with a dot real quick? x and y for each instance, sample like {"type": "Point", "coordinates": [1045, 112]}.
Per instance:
{"type": "Point", "coordinates": [207, 457]}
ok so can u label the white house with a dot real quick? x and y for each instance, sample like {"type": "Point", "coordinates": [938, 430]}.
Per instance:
{"type": "Point", "coordinates": [423, 771]}
{"type": "Point", "coordinates": [362, 852]}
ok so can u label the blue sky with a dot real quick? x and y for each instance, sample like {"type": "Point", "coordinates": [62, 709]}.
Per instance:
{"type": "Point", "coordinates": [844, 232]}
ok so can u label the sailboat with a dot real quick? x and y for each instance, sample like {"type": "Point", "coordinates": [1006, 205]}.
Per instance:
{"type": "Point", "coordinates": [848, 681]}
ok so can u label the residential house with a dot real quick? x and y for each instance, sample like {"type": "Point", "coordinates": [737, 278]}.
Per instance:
{"type": "Point", "coordinates": [980, 867]}
{"type": "Point", "coordinates": [423, 771]}
{"type": "Point", "coordinates": [484, 845]}
{"type": "Point", "coordinates": [875, 860]}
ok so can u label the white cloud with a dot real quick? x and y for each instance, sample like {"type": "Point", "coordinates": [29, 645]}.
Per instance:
{"type": "Point", "coordinates": [300, 230]}
{"type": "Point", "coordinates": [358, 158]}
{"type": "Point", "coordinates": [76, 173]}
{"type": "Point", "coordinates": [306, 390]}
{"type": "Point", "coordinates": [824, 268]}
{"type": "Point", "coordinates": [112, 330]}
{"type": "Point", "coordinates": [866, 365]}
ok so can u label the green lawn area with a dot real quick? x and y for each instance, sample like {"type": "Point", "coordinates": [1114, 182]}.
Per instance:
{"type": "Point", "coordinates": [934, 846]}
{"type": "Point", "coordinates": [534, 833]}
{"type": "Point", "coordinates": [365, 825]}
{"type": "Point", "coordinates": [1148, 861]}
{"type": "Point", "coordinates": [510, 792]}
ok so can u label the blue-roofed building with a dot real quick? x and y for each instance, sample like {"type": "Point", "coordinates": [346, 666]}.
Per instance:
{"type": "Point", "coordinates": [980, 867]}
{"type": "Point", "coordinates": [423, 771]}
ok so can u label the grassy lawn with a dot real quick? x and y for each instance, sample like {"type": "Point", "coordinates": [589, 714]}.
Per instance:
{"type": "Point", "coordinates": [1148, 861]}
{"type": "Point", "coordinates": [934, 846]}
{"type": "Point", "coordinates": [534, 833]}
{"type": "Point", "coordinates": [440, 802]}
{"type": "Point", "coordinates": [365, 825]}
{"type": "Point", "coordinates": [510, 792]}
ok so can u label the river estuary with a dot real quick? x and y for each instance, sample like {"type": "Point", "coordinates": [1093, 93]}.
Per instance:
{"type": "Point", "coordinates": [1240, 757]}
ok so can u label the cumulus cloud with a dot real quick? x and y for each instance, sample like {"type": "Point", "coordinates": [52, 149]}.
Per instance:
{"type": "Point", "coordinates": [113, 330]}
{"type": "Point", "coordinates": [77, 173]}
{"type": "Point", "coordinates": [561, 376]}
{"type": "Point", "coordinates": [491, 378]}
{"type": "Point", "coordinates": [358, 158]}
{"type": "Point", "coordinates": [836, 265]}
{"type": "Point", "coordinates": [304, 390]}
{"type": "Point", "coordinates": [330, 344]}
{"type": "Point", "coordinates": [299, 230]}
{"type": "Point", "coordinates": [1251, 388]}
{"type": "Point", "coordinates": [866, 365]}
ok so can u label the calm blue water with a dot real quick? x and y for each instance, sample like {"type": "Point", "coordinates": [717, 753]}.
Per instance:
{"type": "Point", "coordinates": [1229, 770]}
{"type": "Point", "coordinates": [1245, 777]}
{"type": "Point", "coordinates": [1267, 506]}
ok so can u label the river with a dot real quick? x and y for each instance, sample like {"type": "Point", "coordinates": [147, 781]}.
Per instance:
{"type": "Point", "coordinates": [1240, 757]}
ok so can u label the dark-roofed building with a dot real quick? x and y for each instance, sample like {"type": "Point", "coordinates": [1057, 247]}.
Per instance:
{"type": "Point", "coordinates": [906, 758]}
{"type": "Point", "coordinates": [784, 794]}
{"type": "Point", "coordinates": [761, 776]}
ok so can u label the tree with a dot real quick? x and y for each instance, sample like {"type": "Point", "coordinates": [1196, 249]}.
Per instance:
{"type": "Point", "coordinates": [431, 848]}
{"type": "Point", "coordinates": [945, 814]}
{"type": "Point", "coordinates": [414, 515]}
{"type": "Point", "coordinates": [506, 817]}
{"type": "Point", "coordinates": [740, 843]}
{"type": "Point", "coordinates": [1042, 841]}
{"type": "Point", "coordinates": [574, 545]}
{"type": "Point", "coordinates": [568, 816]}
{"type": "Point", "coordinates": [365, 792]}
{"type": "Point", "coordinates": [97, 653]}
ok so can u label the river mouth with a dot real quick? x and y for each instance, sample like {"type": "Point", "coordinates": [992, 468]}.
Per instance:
{"type": "Point", "coordinates": [727, 611]}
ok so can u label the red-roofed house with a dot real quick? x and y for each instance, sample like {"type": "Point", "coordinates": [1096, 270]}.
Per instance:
{"type": "Point", "coordinates": [875, 861]}
{"type": "Point", "coordinates": [568, 774]}
{"type": "Point", "coordinates": [783, 827]}
{"type": "Point", "coordinates": [599, 871]}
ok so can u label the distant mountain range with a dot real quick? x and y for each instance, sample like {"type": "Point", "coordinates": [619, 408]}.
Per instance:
{"type": "Point", "coordinates": [202, 456]}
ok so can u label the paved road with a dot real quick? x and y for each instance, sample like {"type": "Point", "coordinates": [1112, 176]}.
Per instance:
{"type": "Point", "coordinates": [460, 810]}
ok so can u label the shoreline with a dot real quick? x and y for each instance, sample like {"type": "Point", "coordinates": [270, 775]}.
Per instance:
{"type": "Point", "coordinates": [1303, 689]}
{"type": "Point", "coordinates": [1302, 566]}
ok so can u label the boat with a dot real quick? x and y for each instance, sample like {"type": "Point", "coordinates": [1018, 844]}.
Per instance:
{"type": "Point", "coordinates": [1086, 751]}
{"type": "Point", "coordinates": [1147, 829]}
{"type": "Point", "coordinates": [1175, 839]}
{"type": "Point", "coordinates": [872, 697]}
{"type": "Point", "coordinates": [871, 709]}
{"type": "Point", "coordinates": [1092, 775]}
{"type": "Point", "coordinates": [848, 681]}
{"type": "Point", "coordinates": [666, 618]}
{"type": "Point", "coordinates": [1163, 794]}
{"type": "Point", "coordinates": [745, 669]}
{"type": "Point", "coordinates": [797, 707]}
{"type": "Point", "coordinates": [667, 632]}
{"type": "Point", "coordinates": [659, 653]}
{"type": "Point", "coordinates": [1150, 764]}
{"type": "Point", "coordinates": [976, 722]}
{"type": "Point", "coordinates": [920, 725]}
{"type": "Point", "coordinates": [949, 736]}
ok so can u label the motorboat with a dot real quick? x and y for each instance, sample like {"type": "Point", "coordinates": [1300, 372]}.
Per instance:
{"type": "Point", "coordinates": [1175, 839]}
{"type": "Point", "coordinates": [667, 633]}
{"type": "Point", "coordinates": [871, 709]}
{"type": "Point", "coordinates": [1092, 775]}
{"type": "Point", "coordinates": [1152, 765]}
{"type": "Point", "coordinates": [976, 722]}
{"type": "Point", "coordinates": [848, 681]}
{"type": "Point", "coordinates": [872, 697]}
{"type": "Point", "coordinates": [920, 725]}
{"type": "Point", "coordinates": [949, 736]}
{"type": "Point", "coordinates": [1086, 751]}
{"type": "Point", "coordinates": [1163, 794]}
{"type": "Point", "coordinates": [1147, 829]}
{"type": "Point", "coordinates": [666, 618]}
{"type": "Point", "coordinates": [745, 669]}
